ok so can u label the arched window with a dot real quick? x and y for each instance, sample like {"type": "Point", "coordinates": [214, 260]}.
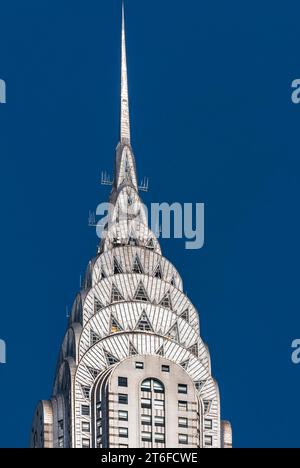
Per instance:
{"type": "Point", "coordinates": [152, 401]}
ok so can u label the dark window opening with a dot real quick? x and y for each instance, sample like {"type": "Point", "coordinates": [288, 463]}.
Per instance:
{"type": "Point", "coordinates": [122, 381]}
{"type": "Point", "coordinates": [123, 399]}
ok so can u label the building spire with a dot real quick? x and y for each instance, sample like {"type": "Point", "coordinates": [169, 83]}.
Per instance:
{"type": "Point", "coordinates": [125, 118]}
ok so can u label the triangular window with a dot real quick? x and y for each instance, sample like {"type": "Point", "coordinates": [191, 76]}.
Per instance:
{"type": "Point", "coordinates": [161, 351]}
{"type": "Point", "coordinates": [173, 333]}
{"type": "Point", "coordinates": [166, 301]}
{"type": "Point", "coordinates": [185, 315]}
{"type": "Point", "coordinates": [132, 350]}
{"type": "Point", "coordinates": [116, 296]}
{"type": "Point", "coordinates": [94, 372]}
{"type": "Point", "coordinates": [158, 272]}
{"type": "Point", "coordinates": [111, 360]}
{"type": "Point", "coordinates": [194, 349]}
{"type": "Point", "coordinates": [144, 323]}
{"type": "Point", "coordinates": [150, 244]}
{"type": "Point", "coordinates": [132, 241]}
{"type": "Point", "coordinates": [115, 327]}
{"type": "Point", "coordinates": [97, 306]}
{"type": "Point", "coordinates": [199, 385]}
{"type": "Point", "coordinates": [173, 282]}
{"type": "Point", "coordinates": [94, 338]}
{"type": "Point", "coordinates": [117, 267]}
{"type": "Point", "coordinates": [137, 266]}
{"type": "Point", "coordinates": [141, 294]}
{"type": "Point", "coordinates": [185, 364]}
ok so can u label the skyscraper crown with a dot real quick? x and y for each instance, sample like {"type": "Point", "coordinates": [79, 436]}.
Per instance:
{"type": "Point", "coordinates": [133, 370]}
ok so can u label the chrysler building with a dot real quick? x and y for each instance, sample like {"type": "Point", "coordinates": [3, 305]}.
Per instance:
{"type": "Point", "coordinates": [133, 371]}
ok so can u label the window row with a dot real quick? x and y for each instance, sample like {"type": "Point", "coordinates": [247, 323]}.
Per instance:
{"type": "Point", "coordinates": [133, 241]}
{"type": "Point", "coordinates": [140, 295]}
{"type": "Point", "coordinates": [146, 420]}
{"type": "Point", "coordinates": [136, 268]}
{"type": "Point", "coordinates": [183, 439]}
{"type": "Point", "coordinates": [147, 402]}
{"type": "Point", "coordinates": [140, 365]}
{"type": "Point", "coordinates": [159, 421]}
{"type": "Point", "coordinates": [158, 437]}
{"type": "Point", "coordinates": [143, 324]}
{"type": "Point", "coordinates": [146, 385]}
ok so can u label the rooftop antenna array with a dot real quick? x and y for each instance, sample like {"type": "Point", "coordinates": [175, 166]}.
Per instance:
{"type": "Point", "coordinates": [144, 186]}
{"type": "Point", "coordinates": [106, 179]}
{"type": "Point", "coordinates": [92, 219]}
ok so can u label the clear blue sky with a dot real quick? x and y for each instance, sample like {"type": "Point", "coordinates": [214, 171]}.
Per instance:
{"type": "Point", "coordinates": [212, 122]}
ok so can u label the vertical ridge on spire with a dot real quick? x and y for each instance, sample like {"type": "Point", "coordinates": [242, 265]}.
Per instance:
{"type": "Point", "coordinates": [125, 118]}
